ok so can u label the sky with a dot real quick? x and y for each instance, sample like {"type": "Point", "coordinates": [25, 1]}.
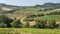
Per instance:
{"type": "Point", "coordinates": [27, 2]}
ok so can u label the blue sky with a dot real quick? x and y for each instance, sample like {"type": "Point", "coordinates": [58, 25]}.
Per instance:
{"type": "Point", "coordinates": [27, 2]}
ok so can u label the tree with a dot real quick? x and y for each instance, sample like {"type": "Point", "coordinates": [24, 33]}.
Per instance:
{"type": "Point", "coordinates": [40, 24]}
{"type": "Point", "coordinates": [39, 15]}
{"type": "Point", "coordinates": [37, 24]}
{"type": "Point", "coordinates": [16, 23]}
{"type": "Point", "coordinates": [38, 6]}
{"type": "Point", "coordinates": [6, 20]}
{"type": "Point", "coordinates": [58, 26]}
{"type": "Point", "coordinates": [52, 24]}
{"type": "Point", "coordinates": [27, 25]}
{"type": "Point", "coordinates": [3, 25]}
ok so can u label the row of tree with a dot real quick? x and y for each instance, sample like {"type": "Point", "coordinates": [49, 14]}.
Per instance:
{"type": "Point", "coordinates": [6, 22]}
{"type": "Point", "coordinates": [40, 15]}
{"type": "Point", "coordinates": [44, 24]}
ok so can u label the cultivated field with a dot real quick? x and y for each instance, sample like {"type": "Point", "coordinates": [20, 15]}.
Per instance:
{"type": "Point", "coordinates": [28, 31]}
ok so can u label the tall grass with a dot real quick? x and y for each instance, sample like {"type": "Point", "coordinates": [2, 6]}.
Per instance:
{"type": "Point", "coordinates": [28, 31]}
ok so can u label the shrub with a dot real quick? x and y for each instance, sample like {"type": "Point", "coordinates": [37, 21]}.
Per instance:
{"type": "Point", "coordinates": [27, 25]}
{"type": "Point", "coordinates": [3, 25]}
{"type": "Point", "coordinates": [6, 20]}
{"type": "Point", "coordinates": [40, 24]}
{"type": "Point", "coordinates": [52, 24]}
{"type": "Point", "coordinates": [16, 23]}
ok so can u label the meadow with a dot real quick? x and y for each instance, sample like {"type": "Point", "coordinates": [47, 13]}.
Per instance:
{"type": "Point", "coordinates": [49, 17]}
{"type": "Point", "coordinates": [28, 31]}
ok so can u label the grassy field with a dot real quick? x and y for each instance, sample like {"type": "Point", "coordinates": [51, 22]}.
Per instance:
{"type": "Point", "coordinates": [49, 17]}
{"type": "Point", "coordinates": [28, 31]}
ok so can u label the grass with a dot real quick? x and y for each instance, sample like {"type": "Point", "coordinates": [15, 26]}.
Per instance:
{"type": "Point", "coordinates": [49, 17]}
{"type": "Point", "coordinates": [28, 31]}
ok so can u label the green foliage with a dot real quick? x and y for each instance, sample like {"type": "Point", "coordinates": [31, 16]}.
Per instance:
{"type": "Point", "coordinates": [3, 25]}
{"type": "Point", "coordinates": [40, 24]}
{"type": "Point", "coordinates": [5, 20]}
{"type": "Point", "coordinates": [45, 24]}
{"type": "Point", "coordinates": [52, 24]}
{"type": "Point", "coordinates": [27, 25]}
{"type": "Point", "coordinates": [58, 26]}
{"type": "Point", "coordinates": [16, 23]}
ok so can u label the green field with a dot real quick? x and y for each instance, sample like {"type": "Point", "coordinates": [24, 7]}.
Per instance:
{"type": "Point", "coordinates": [49, 17]}
{"type": "Point", "coordinates": [28, 31]}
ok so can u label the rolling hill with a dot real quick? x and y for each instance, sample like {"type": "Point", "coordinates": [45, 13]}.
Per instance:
{"type": "Point", "coordinates": [24, 11]}
{"type": "Point", "coordinates": [49, 17]}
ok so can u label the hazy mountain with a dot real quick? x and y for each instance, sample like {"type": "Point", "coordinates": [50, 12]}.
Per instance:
{"type": "Point", "coordinates": [49, 5]}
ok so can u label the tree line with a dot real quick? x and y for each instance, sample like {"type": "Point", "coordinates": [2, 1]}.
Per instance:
{"type": "Point", "coordinates": [6, 22]}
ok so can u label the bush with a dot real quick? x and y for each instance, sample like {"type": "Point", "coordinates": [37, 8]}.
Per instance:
{"type": "Point", "coordinates": [16, 23]}
{"type": "Point", "coordinates": [40, 24]}
{"type": "Point", "coordinates": [39, 15]}
{"type": "Point", "coordinates": [27, 25]}
{"type": "Point", "coordinates": [3, 25]}
{"type": "Point", "coordinates": [6, 20]}
{"type": "Point", "coordinates": [52, 24]}
{"type": "Point", "coordinates": [58, 26]}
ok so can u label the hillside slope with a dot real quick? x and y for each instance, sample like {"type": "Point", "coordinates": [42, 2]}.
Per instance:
{"type": "Point", "coordinates": [49, 17]}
